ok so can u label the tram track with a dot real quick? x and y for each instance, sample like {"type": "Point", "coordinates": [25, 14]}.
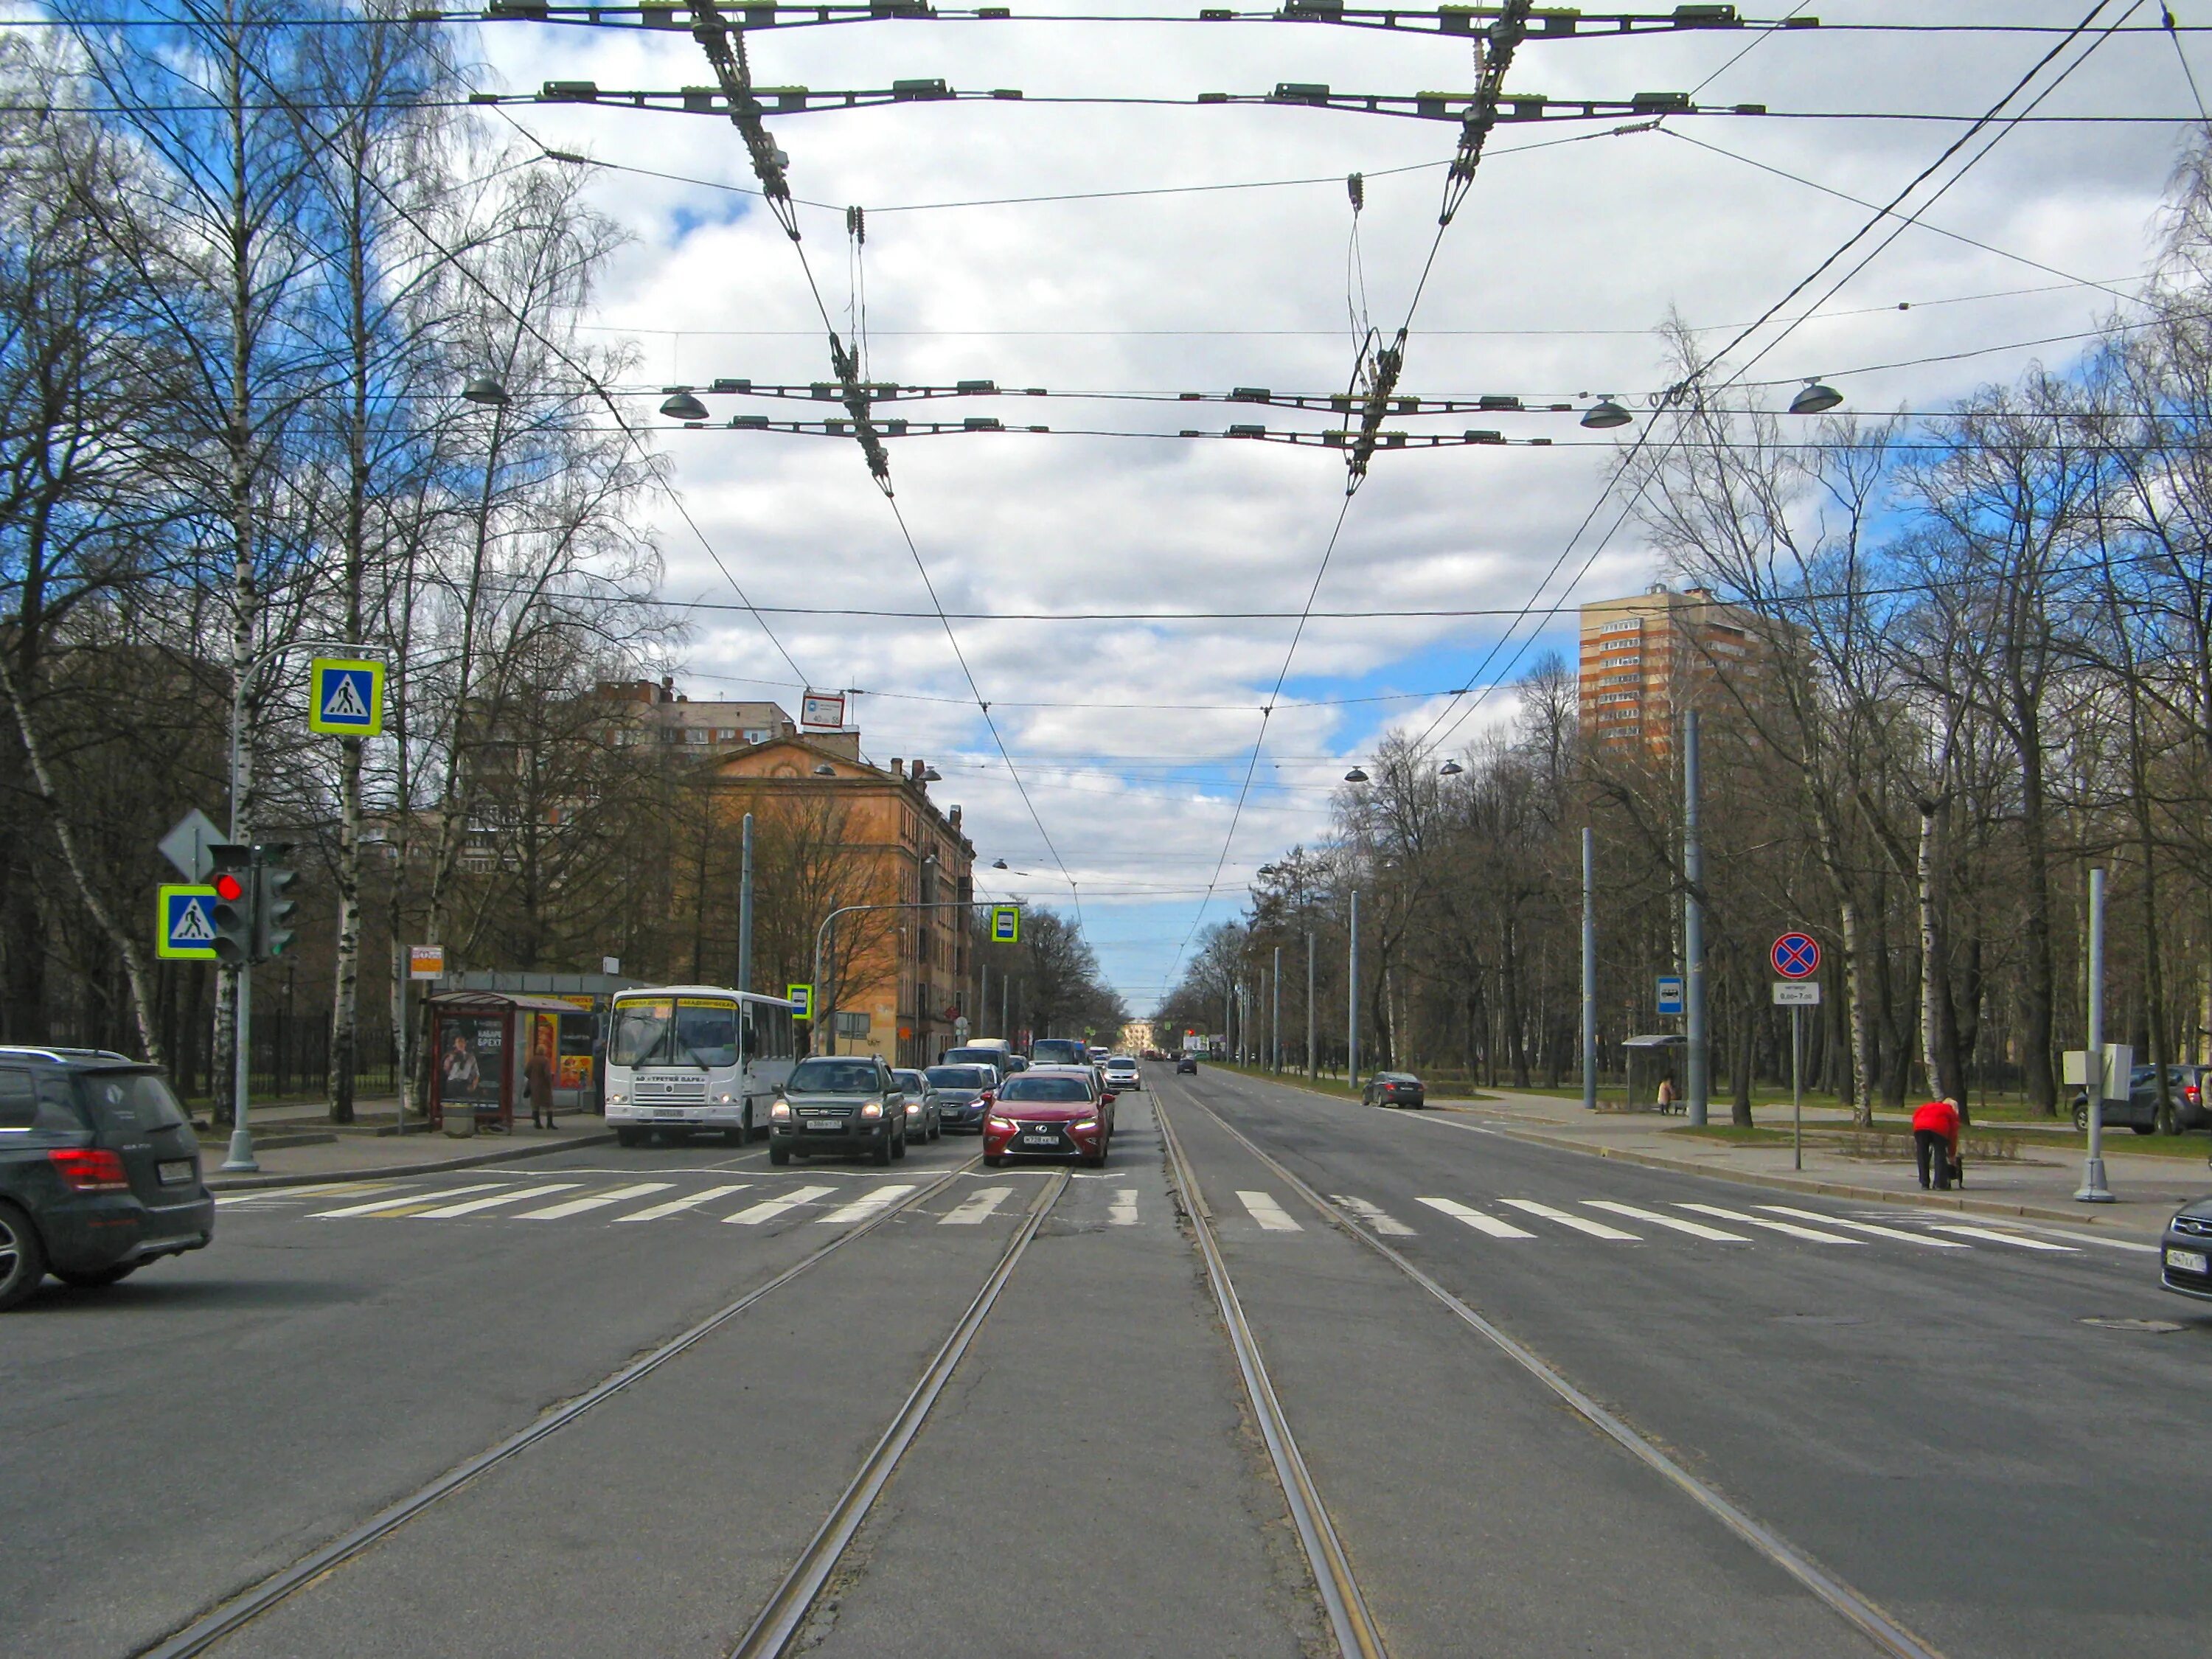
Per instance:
{"type": "Point", "coordinates": [1885, 1632]}
{"type": "Point", "coordinates": [233, 1615]}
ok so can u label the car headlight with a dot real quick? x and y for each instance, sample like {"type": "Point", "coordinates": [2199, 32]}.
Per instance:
{"type": "Point", "coordinates": [912, 1107]}
{"type": "Point", "coordinates": [780, 1109]}
{"type": "Point", "coordinates": [873, 1109]}
{"type": "Point", "coordinates": [729, 1100]}
{"type": "Point", "coordinates": [1088, 1123]}
{"type": "Point", "coordinates": [617, 1099]}
{"type": "Point", "coordinates": [1001, 1123]}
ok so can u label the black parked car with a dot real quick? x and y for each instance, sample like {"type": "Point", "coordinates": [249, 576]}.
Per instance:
{"type": "Point", "coordinates": [1395, 1089]}
{"type": "Point", "coordinates": [837, 1103]}
{"type": "Point", "coordinates": [2139, 1111]}
{"type": "Point", "coordinates": [100, 1172]}
{"type": "Point", "coordinates": [2186, 1254]}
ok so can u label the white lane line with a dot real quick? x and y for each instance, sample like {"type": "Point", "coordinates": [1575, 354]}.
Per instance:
{"type": "Point", "coordinates": [595, 1201]}
{"type": "Point", "coordinates": [1271, 1216]}
{"type": "Point", "coordinates": [868, 1203]}
{"type": "Point", "coordinates": [321, 1190]}
{"type": "Point", "coordinates": [1865, 1227]}
{"type": "Point", "coordinates": [1595, 1228]}
{"type": "Point", "coordinates": [654, 1213]}
{"type": "Point", "coordinates": [1374, 1218]}
{"type": "Point", "coordinates": [1476, 1219]}
{"type": "Point", "coordinates": [1122, 1212]}
{"type": "Point", "coordinates": [2088, 1238]}
{"type": "Point", "coordinates": [768, 1208]}
{"type": "Point", "coordinates": [975, 1211]}
{"type": "Point", "coordinates": [449, 1211]}
{"type": "Point", "coordinates": [1789, 1227]}
{"type": "Point", "coordinates": [1695, 1229]}
{"type": "Point", "coordinates": [2014, 1239]}
{"type": "Point", "coordinates": [417, 1198]}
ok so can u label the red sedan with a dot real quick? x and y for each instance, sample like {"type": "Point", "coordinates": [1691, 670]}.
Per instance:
{"type": "Point", "coordinates": [1050, 1113]}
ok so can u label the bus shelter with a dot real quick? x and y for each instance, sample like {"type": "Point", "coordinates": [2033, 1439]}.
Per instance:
{"type": "Point", "coordinates": [481, 1044]}
{"type": "Point", "coordinates": [1656, 1051]}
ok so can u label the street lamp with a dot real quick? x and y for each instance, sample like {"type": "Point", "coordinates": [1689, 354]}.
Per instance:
{"type": "Point", "coordinates": [1815, 399]}
{"type": "Point", "coordinates": [1605, 413]}
{"type": "Point", "coordinates": [1451, 769]}
{"type": "Point", "coordinates": [825, 770]}
{"type": "Point", "coordinates": [682, 406]}
{"type": "Point", "coordinates": [998, 864]}
{"type": "Point", "coordinates": [1355, 775]}
{"type": "Point", "coordinates": [484, 389]}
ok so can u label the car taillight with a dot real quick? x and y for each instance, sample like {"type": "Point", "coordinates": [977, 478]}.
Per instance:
{"type": "Point", "coordinates": [89, 1169]}
{"type": "Point", "coordinates": [2190, 1094]}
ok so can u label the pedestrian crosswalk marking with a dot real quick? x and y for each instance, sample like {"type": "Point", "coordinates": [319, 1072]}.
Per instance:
{"type": "Point", "coordinates": [866, 1205]}
{"type": "Point", "coordinates": [1595, 1228]}
{"type": "Point", "coordinates": [1122, 1212]}
{"type": "Point", "coordinates": [594, 1201]}
{"type": "Point", "coordinates": [1865, 1227]}
{"type": "Point", "coordinates": [417, 1198]}
{"type": "Point", "coordinates": [1271, 1216]}
{"type": "Point", "coordinates": [2015, 1239]}
{"type": "Point", "coordinates": [1476, 1219]}
{"type": "Point", "coordinates": [690, 1200]}
{"type": "Point", "coordinates": [768, 1208]}
{"type": "Point", "coordinates": [321, 1190]}
{"type": "Point", "coordinates": [1695, 1229]}
{"type": "Point", "coordinates": [1789, 1227]}
{"type": "Point", "coordinates": [976, 1210]}
{"type": "Point", "coordinates": [448, 1212]}
{"type": "Point", "coordinates": [1388, 1225]}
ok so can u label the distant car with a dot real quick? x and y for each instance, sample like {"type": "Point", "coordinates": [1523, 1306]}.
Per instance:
{"type": "Point", "coordinates": [2185, 1252]}
{"type": "Point", "coordinates": [838, 1104]}
{"type": "Point", "coordinates": [100, 1172]}
{"type": "Point", "coordinates": [2139, 1111]}
{"type": "Point", "coordinates": [1395, 1089]}
{"type": "Point", "coordinates": [974, 1055]}
{"type": "Point", "coordinates": [1121, 1073]}
{"type": "Point", "coordinates": [1186, 1066]}
{"type": "Point", "coordinates": [1050, 1113]}
{"type": "Point", "coordinates": [1058, 1051]}
{"type": "Point", "coordinates": [963, 1095]}
{"type": "Point", "coordinates": [924, 1113]}
{"type": "Point", "coordinates": [1097, 1057]}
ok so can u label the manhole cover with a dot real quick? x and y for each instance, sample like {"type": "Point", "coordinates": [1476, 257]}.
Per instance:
{"type": "Point", "coordinates": [2159, 1326]}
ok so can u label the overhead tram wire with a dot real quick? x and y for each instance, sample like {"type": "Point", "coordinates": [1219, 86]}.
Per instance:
{"type": "Point", "coordinates": [2173, 33]}
{"type": "Point", "coordinates": [725, 49]}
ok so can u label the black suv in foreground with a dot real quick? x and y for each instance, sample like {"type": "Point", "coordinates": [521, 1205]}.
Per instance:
{"type": "Point", "coordinates": [100, 1172]}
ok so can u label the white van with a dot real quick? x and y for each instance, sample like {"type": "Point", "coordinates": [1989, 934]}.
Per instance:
{"type": "Point", "coordinates": [683, 1058]}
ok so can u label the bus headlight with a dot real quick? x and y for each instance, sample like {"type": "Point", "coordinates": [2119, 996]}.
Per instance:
{"type": "Point", "coordinates": [617, 1099]}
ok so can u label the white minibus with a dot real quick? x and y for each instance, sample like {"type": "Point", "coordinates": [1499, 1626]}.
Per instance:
{"type": "Point", "coordinates": [686, 1058]}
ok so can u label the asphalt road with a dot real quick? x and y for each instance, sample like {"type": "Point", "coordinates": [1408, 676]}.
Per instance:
{"type": "Point", "coordinates": [1923, 1413]}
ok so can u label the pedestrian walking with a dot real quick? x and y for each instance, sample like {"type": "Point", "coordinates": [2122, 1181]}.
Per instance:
{"type": "Point", "coordinates": [1665, 1094]}
{"type": "Point", "coordinates": [539, 1077]}
{"type": "Point", "coordinates": [1935, 1144]}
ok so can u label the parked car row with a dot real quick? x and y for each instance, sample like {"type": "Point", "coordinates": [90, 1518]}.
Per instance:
{"type": "Point", "coordinates": [2138, 1110]}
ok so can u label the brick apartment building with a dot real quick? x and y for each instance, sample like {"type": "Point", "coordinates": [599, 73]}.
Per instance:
{"type": "Point", "coordinates": [1647, 657]}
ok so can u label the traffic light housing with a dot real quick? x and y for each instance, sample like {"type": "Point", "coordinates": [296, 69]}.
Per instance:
{"type": "Point", "coordinates": [273, 909]}
{"type": "Point", "coordinates": [232, 876]}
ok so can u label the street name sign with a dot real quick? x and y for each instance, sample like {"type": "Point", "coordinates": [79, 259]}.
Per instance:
{"type": "Point", "coordinates": [1796, 993]}
{"type": "Point", "coordinates": [803, 997]}
{"type": "Point", "coordinates": [1797, 955]}
{"type": "Point", "coordinates": [345, 697]}
{"type": "Point", "coordinates": [1670, 993]}
{"type": "Point", "coordinates": [185, 924]}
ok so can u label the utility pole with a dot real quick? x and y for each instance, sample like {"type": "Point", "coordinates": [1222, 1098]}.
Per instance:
{"type": "Point", "coordinates": [745, 908]}
{"type": "Point", "coordinates": [1590, 971]}
{"type": "Point", "coordinates": [1351, 999]}
{"type": "Point", "coordinates": [1005, 1028]}
{"type": "Point", "coordinates": [1275, 1044]}
{"type": "Point", "coordinates": [2093, 1190]}
{"type": "Point", "coordinates": [1696, 1089]}
{"type": "Point", "coordinates": [1313, 1049]}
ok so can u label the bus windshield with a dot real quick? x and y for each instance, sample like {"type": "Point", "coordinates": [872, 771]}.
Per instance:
{"type": "Point", "coordinates": [674, 1032]}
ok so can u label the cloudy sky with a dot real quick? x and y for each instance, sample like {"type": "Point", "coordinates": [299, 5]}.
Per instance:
{"type": "Point", "coordinates": [1133, 737]}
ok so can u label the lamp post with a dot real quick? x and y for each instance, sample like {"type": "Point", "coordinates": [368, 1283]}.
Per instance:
{"type": "Point", "coordinates": [851, 909]}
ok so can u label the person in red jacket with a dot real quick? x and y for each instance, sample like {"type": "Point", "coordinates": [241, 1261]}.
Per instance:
{"type": "Point", "coordinates": [1936, 1142]}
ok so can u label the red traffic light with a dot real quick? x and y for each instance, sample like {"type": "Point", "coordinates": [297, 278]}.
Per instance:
{"type": "Point", "coordinates": [228, 888]}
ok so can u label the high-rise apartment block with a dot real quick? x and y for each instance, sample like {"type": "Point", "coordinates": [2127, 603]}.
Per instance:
{"type": "Point", "coordinates": [1647, 657]}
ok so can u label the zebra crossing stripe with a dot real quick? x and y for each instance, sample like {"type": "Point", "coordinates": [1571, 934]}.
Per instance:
{"type": "Point", "coordinates": [975, 1211]}
{"type": "Point", "coordinates": [1695, 1229]}
{"type": "Point", "coordinates": [2014, 1239]}
{"type": "Point", "coordinates": [1476, 1219]}
{"type": "Point", "coordinates": [768, 1208]}
{"type": "Point", "coordinates": [867, 1204]}
{"type": "Point", "coordinates": [1595, 1228]}
{"type": "Point", "coordinates": [1271, 1216]}
{"type": "Point", "coordinates": [689, 1201]}
{"type": "Point", "coordinates": [594, 1201]}
{"type": "Point", "coordinates": [417, 1198]}
{"type": "Point", "coordinates": [1388, 1225]}
{"type": "Point", "coordinates": [1789, 1227]}
{"type": "Point", "coordinates": [446, 1212]}
{"type": "Point", "coordinates": [1864, 1227]}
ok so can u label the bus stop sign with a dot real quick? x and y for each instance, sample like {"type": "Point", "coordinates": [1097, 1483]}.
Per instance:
{"type": "Point", "coordinates": [802, 999]}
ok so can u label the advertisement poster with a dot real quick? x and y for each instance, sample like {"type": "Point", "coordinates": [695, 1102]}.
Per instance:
{"type": "Point", "coordinates": [472, 1051]}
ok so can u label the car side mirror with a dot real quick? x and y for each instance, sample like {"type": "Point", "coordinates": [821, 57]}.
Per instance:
{"type": "Point", "coordinates": [1106, 1094]}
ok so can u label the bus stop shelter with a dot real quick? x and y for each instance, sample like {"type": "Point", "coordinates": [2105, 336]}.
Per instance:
{"type": "Point", "coordinates": [480, 1047]}
{"type": "Point", "coordinates": [1655, 1053]}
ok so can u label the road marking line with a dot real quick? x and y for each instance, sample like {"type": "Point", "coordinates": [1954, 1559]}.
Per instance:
{"type": "Point", "coordinates": [1388, 1225]}
{"type": "Point", "coordinates": [449, 1211]}
{"type": "Point", "coordinates": [1695, 1229]}
{"type": "Point", "coordinates": [321, 1190]}
{"type": "Point", "coordinates": [768, 1208]}
{"type": "Point", "coordinates": [2014, 1239]}
{"type": "Point", "coordinates": [1271, 1216]}
{"type": "Point", "coordinates": [1866, 1227]}
{"type": "Point", "coordinates": [2085, 1238]}
{"type": "Point", "coordinates": [1789, 1227]}
{"type": "Point", "coordinates": [1122, 1212]}
{"type": "Point", "coordinates": [418, 1198]}
{"type": "Point", "coordinates": [1595, 1228]}
{"type": "Point", "coordinates": [597, 1200]}
{"type": "Point", "coordinates": [868, 1203]}
{"type": "Point", "coordinates": [974, 1211]}
{"type": "Point", "coordinates": [674, 1205]}
{"type": "Point", "coordinates": [1476, 1219]}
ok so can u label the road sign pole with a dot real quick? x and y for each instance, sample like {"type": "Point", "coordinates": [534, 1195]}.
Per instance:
{"type": "Point", "coordinates": [240, 1158]}
{"type": "Point", "coordinates": [1590, 972]}
{"type": "Point", "coordinates": [1352, 995]}
{"type": "Point", "coordinates": [1797, 1086]}
{"type": "Point", "coordinates": [1693, 931]}
{"type": "Point", "coordinates": [2093, 1190]}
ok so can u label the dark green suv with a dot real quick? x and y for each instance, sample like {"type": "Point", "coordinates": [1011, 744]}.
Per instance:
{"type": "Point", "coordinates": [100, 1173]}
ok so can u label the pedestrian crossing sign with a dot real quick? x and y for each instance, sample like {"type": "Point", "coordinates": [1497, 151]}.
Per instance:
{"type": "Point", "coordinates": [186, 924]}
{"type": "Point", "coordinates": [1005, 924]}
{"type": "Point", "coordinates": [345, 699]}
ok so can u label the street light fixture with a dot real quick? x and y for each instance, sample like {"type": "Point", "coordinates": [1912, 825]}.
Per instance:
{"type": "Point", "coordinates": [682, 406]}
{"type": "Point", "coordinates": [1605, 413]}
{"type": "Point", "coordinates": [930, 774]}
{"type": "Point", "coordinates": [484, 389]}
{"type": "Point", "coordinates": [998, 864]}
{"type": "Point", "coordinates": [1815, 399]}
{"type": "Point", "coordinates": [1355, 775]}
{"type": "Point", "coordinates": [825, 770]}
{"type": "Point", "coordinates": [1451, 769]}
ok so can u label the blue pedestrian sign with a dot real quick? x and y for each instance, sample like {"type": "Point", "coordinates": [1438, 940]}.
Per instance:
{"type": "Point", "coordinates": [1005, 924]}
{"type": "Point", "coordinates": [1797, 955]}
{"type": "Point", "coordinates": [1670, 993]}
{"type": "Point", "coordinates": [185, 924]}
{"type": "Point", "coordinates": [345, 699]}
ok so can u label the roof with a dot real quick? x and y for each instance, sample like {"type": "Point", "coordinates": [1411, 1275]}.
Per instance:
{"type": "Point", "coordinates": [61, 1056]}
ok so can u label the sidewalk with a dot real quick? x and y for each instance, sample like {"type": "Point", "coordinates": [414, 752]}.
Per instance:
{"type": "Point", "coordinates": [296, 1145]}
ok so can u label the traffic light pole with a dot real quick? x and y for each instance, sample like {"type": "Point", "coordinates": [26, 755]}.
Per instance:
{"type": "Point", "coordinates": [240, 1158]}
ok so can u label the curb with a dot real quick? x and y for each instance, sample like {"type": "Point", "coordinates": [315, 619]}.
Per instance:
{"type": "Point", "coordinates": [391, 1172]}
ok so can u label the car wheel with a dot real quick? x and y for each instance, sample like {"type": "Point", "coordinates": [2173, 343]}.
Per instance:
{"type": "Point", "coordinates": [97, 1277]}
{"type": "Point", "coordinates": [936, 1130]}
{"type": "Point", "coordinates": [2150, 1128]}
{"type": "Point", "coordinates": [22, 1257]}
{"type": "Point", "coordinates": [992, 1160]}
{"type": "Point", "coordinates": [2081, 1119]}
{"type": "Point", "coordinates": [778, 1156]}
{"type": "Point", "coordinates": [880, 1154]}
{"type": "Point", "coordinates": [626, 1136]}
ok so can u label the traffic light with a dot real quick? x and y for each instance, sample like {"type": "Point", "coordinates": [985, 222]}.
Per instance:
{"type": "Point", "coordinates": [231, 875]}
{"type": "Point", "coordinates": [272, 908]}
